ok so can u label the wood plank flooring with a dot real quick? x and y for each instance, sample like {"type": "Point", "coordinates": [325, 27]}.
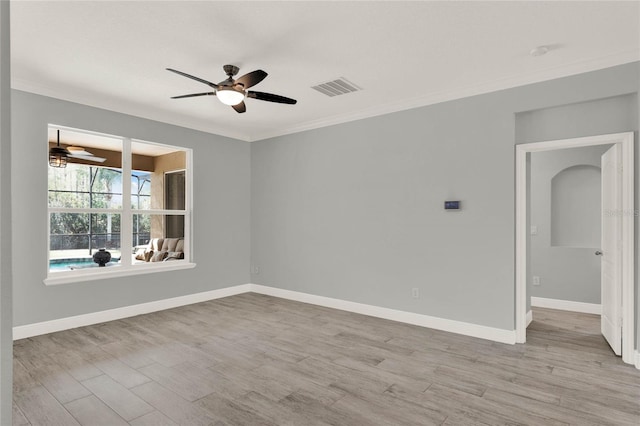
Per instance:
{"type": "Point", "coordinates": [257, 360]}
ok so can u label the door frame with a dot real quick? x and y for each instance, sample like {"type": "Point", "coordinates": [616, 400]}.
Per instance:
{"type": "Point", "coordinates": [625, 143]}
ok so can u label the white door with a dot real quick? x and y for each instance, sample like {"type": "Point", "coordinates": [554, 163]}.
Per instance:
{"type": "Point", "coordinates": [610, 253]}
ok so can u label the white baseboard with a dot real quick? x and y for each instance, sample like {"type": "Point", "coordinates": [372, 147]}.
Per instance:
{"type": "Point", "coordinates": [452, 326]}
{"type": "Point", "coordinates": [36, 329]}
{"type": "Point", "coordinates": [566, 305]}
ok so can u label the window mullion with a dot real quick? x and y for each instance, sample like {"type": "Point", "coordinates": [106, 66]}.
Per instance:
{"type": "Point", "coordinates": [126, 220]}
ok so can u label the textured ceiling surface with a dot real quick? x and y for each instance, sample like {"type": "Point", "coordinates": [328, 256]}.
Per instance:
{"type": "Point", "coordinates": [113, 55]}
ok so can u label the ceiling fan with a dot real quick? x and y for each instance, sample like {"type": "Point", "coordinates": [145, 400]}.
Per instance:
{"type": "Point", "coordinates": [233, 92]}
{"type": "Point", "coordinates": [58, 156]}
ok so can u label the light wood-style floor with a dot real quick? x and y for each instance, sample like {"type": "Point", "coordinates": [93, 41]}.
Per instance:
{"type": "Point", "coordinates": [258, 360]}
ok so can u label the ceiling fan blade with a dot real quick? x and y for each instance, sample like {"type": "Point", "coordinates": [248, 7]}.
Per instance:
{"type": "Point", "coordinates": [88, 158]}
{"type": "Point", "coordinates": [252, 78]}
{"type": "Point", "coordinates": [78, 150]}
{"type": "Point", "coordinates": [194, 94]}
{"type": "Point", "coordinates": [270, 97]}
{"type": "Point", "coordinates": [215, 86]}
{"type": "Point", "coordinates": [240, 108]}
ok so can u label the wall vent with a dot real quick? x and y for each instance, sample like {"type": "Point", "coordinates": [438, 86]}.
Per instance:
{"type": "Point", "coordinates": [337, 87]}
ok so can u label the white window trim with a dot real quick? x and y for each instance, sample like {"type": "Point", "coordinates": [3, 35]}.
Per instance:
{"type": "Point", "coordinates": [126, 267]}
{"type": "Point", "coordinates": [82, 275]}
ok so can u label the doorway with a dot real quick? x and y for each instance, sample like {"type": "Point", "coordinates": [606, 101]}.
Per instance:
{"type": "Point", "coordinates": [620, 213]}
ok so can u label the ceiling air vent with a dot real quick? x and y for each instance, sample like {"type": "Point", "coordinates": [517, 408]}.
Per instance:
{"type": "Point", "coordinates": [337, 87]}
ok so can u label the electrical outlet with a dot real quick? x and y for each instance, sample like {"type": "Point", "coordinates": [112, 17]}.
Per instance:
{"type": "Point", "coordinates": [536, 280]}
{"type": "Point", "coordinates": [415, 293]}
{"type": "Point", "coordinates": [534, 230]}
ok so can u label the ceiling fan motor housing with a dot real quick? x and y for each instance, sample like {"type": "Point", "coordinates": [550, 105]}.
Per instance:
{"type": "Point", "coordinates": [230, 70]}
{"type": "Point", "coordinates": [58, 150]}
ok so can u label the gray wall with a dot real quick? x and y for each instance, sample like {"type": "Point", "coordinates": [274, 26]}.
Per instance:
{"type": "Point", "coordinates": [354, 211]}
{"type": "Point", "coordinates": [220, 216]}
{"type": "Point", "coordinates": [6, 337]}
{"type": "Point", "coordinates": [611, 114]}
{"type": "Point", "coordinates": [568, 268]}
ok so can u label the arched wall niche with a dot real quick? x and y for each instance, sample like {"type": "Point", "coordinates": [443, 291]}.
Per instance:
{"type": "Point", "coordinates": [576, 207]}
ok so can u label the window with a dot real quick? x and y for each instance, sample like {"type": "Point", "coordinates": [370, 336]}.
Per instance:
{"type": "Point", "coordinates": [117, 195]}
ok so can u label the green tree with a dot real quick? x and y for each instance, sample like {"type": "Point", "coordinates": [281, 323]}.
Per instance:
{"type": "Point", "coordinates": [82, 186]}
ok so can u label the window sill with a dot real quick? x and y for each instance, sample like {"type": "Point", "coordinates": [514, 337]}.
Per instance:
{"type": "Point", "coordinates": [81, 275]}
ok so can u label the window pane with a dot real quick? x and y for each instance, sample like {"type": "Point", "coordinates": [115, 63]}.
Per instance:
{"type": "Point", "coordinates": [76, 237]}
{"type": "Point", "coordinates": [157, 161]}
{"type": "Point", "coordinates": [106, 201]}
{"type": "Point", "coordinates": [69, 186]}
{"type": "Point", "coordinates": [174, 226]}
{"type": "Point", "coordinates": [106, 189]}
{"type": "Point", "coordinates": [141, 190]}
{"type": "Point", "coordinates": [92, 177]}
{"type": "Point", "coordinates": [82, 186]}
{"type": "Point", "coordinates": [69, 199]}
{"type": "Point", "coordinates": [158, 238]}
{"type": "Point", "coordinates": [141, 202]}
{"type": "Point", "coordinates": [141, 229]}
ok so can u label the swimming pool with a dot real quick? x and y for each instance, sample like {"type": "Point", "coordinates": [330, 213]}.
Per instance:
{"type": "Point", "coordinates": [56, 265]}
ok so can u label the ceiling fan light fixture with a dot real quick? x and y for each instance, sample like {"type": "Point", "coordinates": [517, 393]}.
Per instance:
{"type": "Point", "coordinates": [57, 157]}
{"type": "Point", "coordinates": [230, 96]}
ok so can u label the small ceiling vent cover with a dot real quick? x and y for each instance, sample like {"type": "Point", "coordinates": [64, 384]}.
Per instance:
{"type": "Point", "coordinates": [337, 87]}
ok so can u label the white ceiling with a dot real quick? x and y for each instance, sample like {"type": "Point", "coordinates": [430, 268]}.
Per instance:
{"type": "Point", "coordinates": [113, 55]}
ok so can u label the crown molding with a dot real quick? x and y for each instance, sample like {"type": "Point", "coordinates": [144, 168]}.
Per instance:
{"type": "Point", "coordinates": [151, 113]}
{"type": "Point", "coordinates": [122, 107]}
{"type": "Point", "coordinates": [444, 96]}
